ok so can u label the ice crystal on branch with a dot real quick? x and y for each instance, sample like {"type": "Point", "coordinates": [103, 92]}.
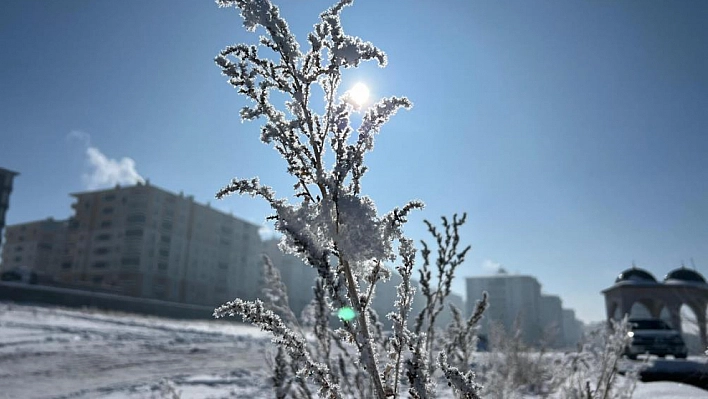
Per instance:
{"type": "Point", "coordinates": [328, 222]}
{"type": "Point", "coordinates": [331, 226]}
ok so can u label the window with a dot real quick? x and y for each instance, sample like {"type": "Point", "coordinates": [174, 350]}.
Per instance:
{"type": "Point", "coordinates": [162, 266]}
{"type": "Point", "coordinates": [97, 279]}
{"type": "Point", "coordinates": [223, 265]}
{"type": "Point", "coordinates": [106, 223]}
{"type": "Point", "coordinates": [164, 252]}
{"type": "Point", "coordinates": [18, 258]}
{"type": "Point", "coordinates": [100, 265]}
{"type": "Point", "coordinates": [44, 245]}
{"type": "Point", "coordinates": [101, 251]}
{"type": "Point", "coordinates": [165, 239]}
{"type": "Point", "coordinates": [130, 261]}
{"type": "Point", "coordinates": [109, 197]}
{"type": "Point", "coordinates": [19, 248]}
{"type": "Point", "coordinates": [107, 210]}
{"type": "Point", "coordinates": [167, 225]}
{"type": "Point", "coordinates": [103, 237]}
{"type": "Point", "coordinates": [134, 233]}
{"type": "Point", "coordinates": [135, 218]}
{"type": "Point", "coordinates": [66, 265]}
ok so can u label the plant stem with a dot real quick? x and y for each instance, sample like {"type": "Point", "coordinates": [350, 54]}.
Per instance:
{"type": "Point", "coordinates": [363, 327]}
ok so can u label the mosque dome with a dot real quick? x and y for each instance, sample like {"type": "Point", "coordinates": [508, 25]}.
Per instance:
{"type": "Point", "coordinates": [635, 274]}
{"type": "Point", "coordinates": [685, 275]}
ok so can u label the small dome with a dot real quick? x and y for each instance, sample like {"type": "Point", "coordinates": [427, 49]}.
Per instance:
{"type": "Point", "coordinates": [686, 275]}
{"type": "Point", "coordinates": [635, 274]}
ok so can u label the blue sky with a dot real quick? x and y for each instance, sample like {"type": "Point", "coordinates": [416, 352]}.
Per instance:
{"type": "Point", "coordinates": [572, 133]}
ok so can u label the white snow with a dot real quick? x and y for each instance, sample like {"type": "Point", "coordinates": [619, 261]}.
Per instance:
{"type": "Point", "coordinates": [48, 352]}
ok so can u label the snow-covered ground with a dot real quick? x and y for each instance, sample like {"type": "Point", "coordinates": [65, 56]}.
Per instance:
{"type": "Point", "coordinates": [57, 353]}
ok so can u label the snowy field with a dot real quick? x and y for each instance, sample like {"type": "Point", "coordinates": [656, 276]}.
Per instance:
{"type": "Point", "coordinates": [80, 354]}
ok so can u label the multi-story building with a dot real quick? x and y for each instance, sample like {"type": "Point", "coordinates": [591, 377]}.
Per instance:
{"type": "Point", "coordinates": [294, 273]}
{"type": "Point", "coordinates": [35, 246]}
{"type": "Point", "coordinates": [572, 328]}
{"type": "Point", "coordinates": [514, 301]}
{"type": "Point", "coordinates": [6, 178]}
{"type": "Point", "coordinates": [551, 319]}
{"type": "Point", "coordinates": [144, 241]}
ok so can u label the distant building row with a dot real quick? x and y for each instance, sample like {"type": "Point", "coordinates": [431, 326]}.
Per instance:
{"type": "Point", "coordinates": [515, 301]}
{"type": "Point", "coordinates": [144, 241]}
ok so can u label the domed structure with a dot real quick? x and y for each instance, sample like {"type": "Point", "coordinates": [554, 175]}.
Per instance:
{"type": "Point", "coordinates": [685, 275]}
{"type": "Point", "coordinates": [680, 287]}
{"type": "Point", "coordinates": [637, 275]}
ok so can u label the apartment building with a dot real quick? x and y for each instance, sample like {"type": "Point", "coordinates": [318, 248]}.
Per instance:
{"type": "Point", "coordinates": [512, 299]}
{"type": "Point", "coordinates": [551, 319]}
{"type": "Point", "coordinates": [145, 241]}
{"type": "Point", "coordinates": [37, 246]}
{"type": "Point", "coordinates": [572, 328]}
{"type": "Point", "coordinates": [6, 179]}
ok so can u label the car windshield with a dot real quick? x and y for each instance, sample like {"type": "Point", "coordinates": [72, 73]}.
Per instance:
{"type": "Point", "coordinates": [649, 325]}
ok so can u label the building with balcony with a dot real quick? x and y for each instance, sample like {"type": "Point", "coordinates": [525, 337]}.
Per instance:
{"type": "Point", "coordinates": [146, 242]}
{"type": "Point", "coordinates": [36, 246]}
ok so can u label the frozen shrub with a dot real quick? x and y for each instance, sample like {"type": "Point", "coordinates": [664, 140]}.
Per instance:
{"type": "Point", "coordinates": [594, 371]}
{"type": "Point", "coordinates": [338, 232]}
{"type": "Point", "coordinates": [328, 223]}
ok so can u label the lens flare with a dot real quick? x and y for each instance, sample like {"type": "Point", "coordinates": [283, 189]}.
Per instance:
{"type": "Point", "coordinates": [346, 314]}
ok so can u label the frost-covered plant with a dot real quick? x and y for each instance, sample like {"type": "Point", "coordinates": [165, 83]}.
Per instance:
{"type": "Point", "coordinates": [512, 368]}
{"type": "Point", "coordinates": [594, 371]}
{"type": "Point", "coordinates": [331, 226]}
{"type": "Point", "coordinates": [448, 257]}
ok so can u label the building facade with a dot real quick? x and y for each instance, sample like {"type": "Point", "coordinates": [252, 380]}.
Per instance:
{"type": "Point", "coordinates": [35, 246]}
{"type": "Point", "coordinates": [147, 242]}
{"type": "Point", "coordinates": [551, 319]}
{"type": "Point", "coordinates": [514, 301]}
{"type": "Point", "coordinates": [6, 179]}
{"type": "Point", "coordinates": [572, 329]}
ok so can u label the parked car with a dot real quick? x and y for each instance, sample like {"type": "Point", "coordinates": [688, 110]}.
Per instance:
{"type": "Point", "coordinates": [19, 276]}
{"type": "Point", "coordinates": [654, 337]}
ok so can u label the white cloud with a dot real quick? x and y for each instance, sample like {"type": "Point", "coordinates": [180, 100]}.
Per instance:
{"type": "Point", "coordinates": [491, 266]}
{"type": "Point", "coordinates": [107, 172]}
{"type": "Point", "coordinates": [103, 171]}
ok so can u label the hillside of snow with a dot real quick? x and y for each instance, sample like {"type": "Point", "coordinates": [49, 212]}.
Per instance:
{"type": "Point", "coordinates": [55, 353]}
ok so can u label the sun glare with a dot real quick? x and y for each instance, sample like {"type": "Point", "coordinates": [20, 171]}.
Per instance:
{"type": "Point", "coordinates": [359, 93]}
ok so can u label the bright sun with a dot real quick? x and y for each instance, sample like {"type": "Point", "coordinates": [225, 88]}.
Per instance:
{"type": "Point", "coordinates": [359, 93]}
